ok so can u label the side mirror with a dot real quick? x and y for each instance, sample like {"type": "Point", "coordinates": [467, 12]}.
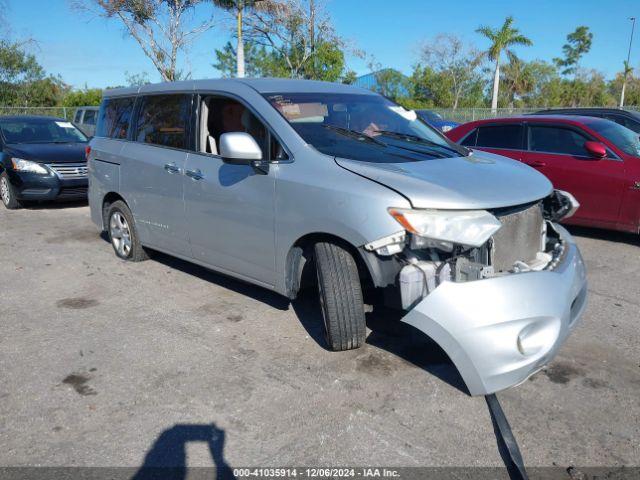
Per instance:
{"type": "Point", "coordinates": [595, 149]}
{"type": "Point", "coordinates": [239, 148]}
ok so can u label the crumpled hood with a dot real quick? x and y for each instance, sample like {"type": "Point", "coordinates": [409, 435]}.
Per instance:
{"type": "Point", "coordinates": [480, 181]}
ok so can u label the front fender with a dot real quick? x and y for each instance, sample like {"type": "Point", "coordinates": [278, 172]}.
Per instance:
{"type": "Point", "coordinates": [316, 196]}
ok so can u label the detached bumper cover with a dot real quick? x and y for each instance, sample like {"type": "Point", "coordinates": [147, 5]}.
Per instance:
{"type": "Point", "coordinates": [499, 331]}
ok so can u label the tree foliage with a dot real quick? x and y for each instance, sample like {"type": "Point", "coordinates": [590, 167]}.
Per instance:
{"type": "Point", "coordinates": [578, 44]}
{"type": "Point", "coordinates": [238, 7]}
{"type": "Point", "coordinates": [298, 34]}
{"type": "Point", "coordinates": [458, 66]}
{"type": "Point", "coordinates": [160, 27]}
{"type": "Point", "coordinates": [23, 82]}
{"type": "Point", "coordinates": [502, 40]}
{"type": "Point", "coordinates": [79, 98]}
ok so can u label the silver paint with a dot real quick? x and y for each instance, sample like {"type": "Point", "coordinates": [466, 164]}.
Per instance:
{"type": "Point", "coordinates": [243, 222]}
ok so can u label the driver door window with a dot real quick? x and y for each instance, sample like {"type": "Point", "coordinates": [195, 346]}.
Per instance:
{"type": "Point", "coordinates": [558, 152]}
{"type": "Point", "coordinates": [551, 139]}
{"type": "Point", "coordinates": [225, 115]}
{"type": "Point", "coordinates": [230, 206]}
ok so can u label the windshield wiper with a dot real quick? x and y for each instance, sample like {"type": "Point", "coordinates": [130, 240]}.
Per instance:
{"type": "Point", "coordinates": [354, 134]}
{"type": "Point", "coordinates": [415, 138]}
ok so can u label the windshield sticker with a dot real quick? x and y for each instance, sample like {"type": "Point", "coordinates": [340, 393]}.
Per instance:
{"type": "Point", "coordinates": [64, 124]}
{"type": "Point", "coordinates": [301, 112]}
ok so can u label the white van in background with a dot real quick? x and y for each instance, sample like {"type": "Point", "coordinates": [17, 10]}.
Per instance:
{"type": "Point", "coordinates": [85, 119]}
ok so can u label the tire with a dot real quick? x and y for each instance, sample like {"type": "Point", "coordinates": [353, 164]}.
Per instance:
{"type": "Point", "coordinates": [8, 193]}
{"type": "Point", "coordinates": [340, 297]}
{"type": "Point", "coordinates": [123, 234]}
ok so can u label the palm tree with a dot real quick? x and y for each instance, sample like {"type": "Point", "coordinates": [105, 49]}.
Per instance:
{"type": "Point", "coordinates": [628, 69]}
{"type": "Point", "coordinates": [238, 7]}
{"type": "Point", "coordinates": [501, 40]}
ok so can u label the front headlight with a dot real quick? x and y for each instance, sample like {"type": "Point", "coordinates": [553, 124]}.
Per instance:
{"type": "Point", "coordinates": [560, 205]}
{"type": "Point", "coordinates": [22, 165]}
{"type": "Point", "coordinates": [465, 227]}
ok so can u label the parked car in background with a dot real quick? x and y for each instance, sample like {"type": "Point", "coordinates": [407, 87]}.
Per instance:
{"type": "Point", "coordinates": [41, 158]}
{"type": "Point", "coordinates": [85, 119]}
{"type": "Point", "coordinates": [626, 118]}
{"type": "Point", "coordinates": [266, 179]}
{"type": "Point", "coordinates": [596, 160]}
{"type": "Point", "coordinates": [435, 120]}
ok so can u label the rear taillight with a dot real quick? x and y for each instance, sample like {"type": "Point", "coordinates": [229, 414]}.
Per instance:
{"type": "Point", "coordinates": [87, 151]}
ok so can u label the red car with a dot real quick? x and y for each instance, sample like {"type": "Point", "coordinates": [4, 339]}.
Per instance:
{"type": "Point", "coordinates": [596, 160]}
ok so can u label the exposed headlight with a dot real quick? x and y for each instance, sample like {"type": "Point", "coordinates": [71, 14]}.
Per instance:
{"type": "Point", "coordinates": [465, 227]}
{"type": "Point", "coordinates": [560, 205]}
{"type": "Point", "coordinates": [22, 165]}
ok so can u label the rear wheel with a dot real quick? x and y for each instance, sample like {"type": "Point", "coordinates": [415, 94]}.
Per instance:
{"type": "Point", "coordinates": [123, 234]}
{"type": "Point", "coordinates": [340, 297]}
{"type": "Point", "coordinates": [8, 193]}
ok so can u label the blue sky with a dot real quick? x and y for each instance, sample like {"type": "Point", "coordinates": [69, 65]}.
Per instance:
{"type": "Point", "coordinates": [85, 49]}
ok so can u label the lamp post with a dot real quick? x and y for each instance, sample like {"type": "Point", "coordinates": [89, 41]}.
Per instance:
{"type": "Point", "coordinates": [627, 68]}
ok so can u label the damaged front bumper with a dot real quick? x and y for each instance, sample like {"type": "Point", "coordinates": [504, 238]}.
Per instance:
{"type": "Point", "coordinates": [498, 331]}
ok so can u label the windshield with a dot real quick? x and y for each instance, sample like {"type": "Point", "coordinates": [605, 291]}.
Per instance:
{"type": "Point", "coordinates": [623, 138]}
{"type": "Point", "coordinates": [362, 127]}
{"type": "Point", "coordinates": [429, 116]}
{"type": "Point", "coordinates": [40, 130]}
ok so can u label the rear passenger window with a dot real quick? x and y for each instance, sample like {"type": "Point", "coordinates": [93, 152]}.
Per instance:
{"type": "Point", "coordinates": [556, 140]}
{"type": "Point", "coordinates": [114, 118]}
{"type": "Point", "coordinates": [163, 120]}
{"type": "Point", "coordinates": [500, 136]}
{"type": "Point", "coordinates": [78, 116]}
{"type": "Point", "coordinates": [89, 117]}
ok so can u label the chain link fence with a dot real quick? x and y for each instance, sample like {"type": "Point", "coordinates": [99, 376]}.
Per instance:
{"type": "Point", "coordinates": [463, 115]}
{"type": "Point", "coordinates": [460, 115]}
{"type": "Point", "coordinates": [60, 112]}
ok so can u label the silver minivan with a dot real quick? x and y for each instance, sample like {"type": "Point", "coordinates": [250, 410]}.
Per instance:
{"type": "Point", "coordinates": [266, 179]}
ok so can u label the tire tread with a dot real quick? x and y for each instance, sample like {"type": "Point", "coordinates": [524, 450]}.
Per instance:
{"type": "Point", "coordinates": [343, 307]}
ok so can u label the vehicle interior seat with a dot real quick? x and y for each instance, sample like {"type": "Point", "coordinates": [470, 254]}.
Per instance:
{"type": "Point", "coordinates": [207, 140]}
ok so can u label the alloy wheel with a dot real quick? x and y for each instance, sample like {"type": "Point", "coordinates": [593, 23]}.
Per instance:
{"type": "Point", "coordinates": [120, 234]}
{"type": "Point", "coordinates": [4, 191]}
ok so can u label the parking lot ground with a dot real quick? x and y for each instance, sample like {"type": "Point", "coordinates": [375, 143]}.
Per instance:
{"type": "Point", "coordinates": [109, 363]}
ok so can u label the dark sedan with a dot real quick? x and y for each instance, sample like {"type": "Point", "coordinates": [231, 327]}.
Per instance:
{"type": "Point", "coordinates": [626, 118]}
{"type": "Point", "coordinates": [41, 159]}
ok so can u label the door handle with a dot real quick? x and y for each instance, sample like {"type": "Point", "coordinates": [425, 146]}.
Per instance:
{"type": "Point", "coordinates": [171, 168]}
{"type": "Point", "coordinates": [195, 174]}
{"type": "Point", "coordinates": [635, 186]}
{"type": "Point", "coordinates": [536, 163]}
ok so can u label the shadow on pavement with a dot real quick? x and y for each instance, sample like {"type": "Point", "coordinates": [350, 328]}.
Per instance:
{"type": "Point", "coordinates": [407, 342]}
{"type": "Point", "coordinates": [258, 293]}
{"type": "Point", "coordinates": [167, 458]}
{"type": "Point", "coordinates": [387, 333]}
{"type": "Point", "coordinates": [55, 205]}
{"type": "Point", "coordinates": [608, 235]}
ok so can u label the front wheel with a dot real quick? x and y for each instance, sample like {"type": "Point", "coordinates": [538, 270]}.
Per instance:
{"type": "Point", "coordinates": [8, 193]}
{"type": "Point", "coordinates": [123, 234]}
{"type": "Point", "coordinates": [340, 297]}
